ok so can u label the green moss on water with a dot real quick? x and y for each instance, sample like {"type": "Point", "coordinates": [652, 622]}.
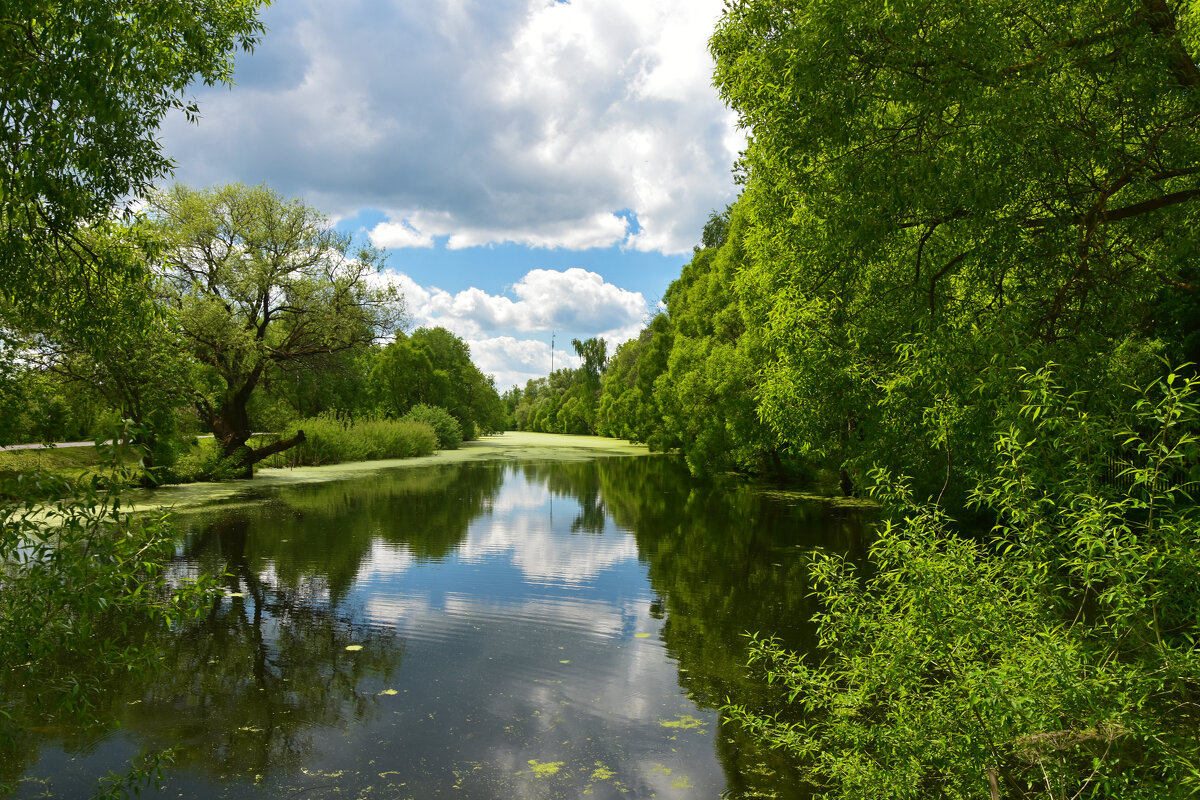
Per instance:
{"type": "Point", "coordinates": [602, 773]}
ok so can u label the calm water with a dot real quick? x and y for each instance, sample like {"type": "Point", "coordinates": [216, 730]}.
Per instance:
{"type": "Point", "coordinates": [475, 630]}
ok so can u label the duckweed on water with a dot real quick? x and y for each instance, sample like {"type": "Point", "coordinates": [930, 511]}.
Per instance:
{"type": "Point", "coordinates": [684, 722]}
{"type": "Point", "coordinates": [544, 769]}
{"type": "Point", "coordinates": [602, 773]}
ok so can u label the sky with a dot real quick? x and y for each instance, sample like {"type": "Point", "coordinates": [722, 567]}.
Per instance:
{"type": "Point", "coordinates": [533, 167]}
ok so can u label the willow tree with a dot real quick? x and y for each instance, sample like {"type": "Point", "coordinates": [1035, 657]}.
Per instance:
{"type": "Point", "coordinates": [263, 282]}
{"type": "Point", "coordinates": [932, 185]}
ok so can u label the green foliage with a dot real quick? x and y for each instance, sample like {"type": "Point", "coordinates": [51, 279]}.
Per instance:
{"type": "Point", "coordinates": [594, 353]}
{"type": "Point", "coordinates": [39, 406]}
{"type": "Point", "coordinates": [1055, 658]}
{"type": "Point", "coordinates": [628, 407]}
{"type": "Point", "coordinates": [433, 366]}
{"type": "Point", "coordinates": [567, 400]}
{"type": "Point", "coordinates": [140, 369]}
{"type": "Point", "coordinates": [85, 589]}
{"type": "Point", "coordinates": [930, 185]}
{"type": "Point", "coordinates": [84, 86]}
{"type": "Point", "coordinates": [708, 394]}
{"type": "Point", "coordinates": [446, 427]}
{"type": "Point", "coordinates": [332, 438]}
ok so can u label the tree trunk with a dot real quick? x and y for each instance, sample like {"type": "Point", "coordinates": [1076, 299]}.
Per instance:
{"type": "Point", "coordinates": [248, 456]}
{"type": "Point", "coordinates": [846, 484]}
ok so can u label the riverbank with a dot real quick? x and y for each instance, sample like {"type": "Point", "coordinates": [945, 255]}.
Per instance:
{"type": "Point", "coordinates": [507, 446]}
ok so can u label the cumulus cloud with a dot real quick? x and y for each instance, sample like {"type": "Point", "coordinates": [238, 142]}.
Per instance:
{"type": "Point", "coordinates": [573, 303]}
{"type": "Point", "coordinates": [480, 121]}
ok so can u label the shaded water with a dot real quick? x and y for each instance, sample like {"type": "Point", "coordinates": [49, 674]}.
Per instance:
{"type": "Point", "coordinates": [490, 629]}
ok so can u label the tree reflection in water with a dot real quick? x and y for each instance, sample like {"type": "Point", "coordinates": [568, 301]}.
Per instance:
{"type": "Point", "coordinates": [256, 690]}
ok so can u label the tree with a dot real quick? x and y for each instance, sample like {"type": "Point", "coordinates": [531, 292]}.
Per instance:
{"type": "Point", "coordinates": [627, 408]}
{"type": "Point", "coordinates": [139, 368]}
{"type": "Point", "coordinates": [262, 282]}
{"type": "Point", "coordinates": [83, 88]}
{"type": "Point", "coordinates": [932, 184]}
{"type": "Point", "coordinates": [708, 394]}
{"type": "Point", "coordinates": [434, 367]}
{"type": "Point", "coordinates": [1053, 657]}
{"type": "Point", "coordinates": [594, 353]}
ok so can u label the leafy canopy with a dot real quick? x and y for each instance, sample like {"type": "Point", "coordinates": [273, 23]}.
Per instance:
{"type": "Point", "coordinates": [931, 184]}
{"type": "Point", "coordinates": [83, 88]}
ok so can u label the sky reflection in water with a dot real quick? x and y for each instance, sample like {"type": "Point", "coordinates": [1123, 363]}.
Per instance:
{"type": "Point", "coordinates": [542, 629]}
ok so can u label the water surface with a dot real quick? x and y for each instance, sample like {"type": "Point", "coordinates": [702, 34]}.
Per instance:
{"type": "Point", "coordinates": [489, 629]}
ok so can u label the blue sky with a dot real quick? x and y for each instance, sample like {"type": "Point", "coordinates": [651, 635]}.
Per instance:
{"type": "Point", "coordinates": [531, 166]}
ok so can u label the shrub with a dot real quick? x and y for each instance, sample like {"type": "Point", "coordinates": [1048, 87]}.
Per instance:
{"type": "Point", "coordinates": [1055, 658]}
{"type": "Point", "coordinates": [201, 462]}
{"type": "Point", "coordinates": [332, 438]}
{"type": "Point", "coordinates": [86, 584]}
{"type": "Point", "coordinates": [449, 432]}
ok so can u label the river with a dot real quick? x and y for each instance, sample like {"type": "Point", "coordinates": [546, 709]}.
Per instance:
{"type": "Point", "coordinates": [532, 623]}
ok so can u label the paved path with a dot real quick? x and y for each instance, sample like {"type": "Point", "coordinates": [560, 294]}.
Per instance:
{"type": "Point", "coordinates": [48, 446]}
{"type": "Point", "coordinates": [78, 444]}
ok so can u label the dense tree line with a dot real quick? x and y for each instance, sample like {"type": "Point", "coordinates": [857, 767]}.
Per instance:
{"type": "Point", "coordinates": [565, 401]}
{"type": "Point", "coordinates": [966, 259]}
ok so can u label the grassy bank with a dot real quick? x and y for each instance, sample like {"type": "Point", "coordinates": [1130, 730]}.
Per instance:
{"type": "Point", "coordinates": [509, 446]}
{"type": "Point", "coordinates": [69, 462]}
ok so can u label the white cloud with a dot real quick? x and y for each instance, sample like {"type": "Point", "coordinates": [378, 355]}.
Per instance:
{"type": "Point", "coordinates": [573, 303]}
{"type": "Point", "coordinates": [482, 121]}
{"type": "Point", "coordinates": [400, 234]}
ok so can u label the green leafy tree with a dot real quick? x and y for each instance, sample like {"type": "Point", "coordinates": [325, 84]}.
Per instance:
{"type": "Point", "coordinates": [708, 394]}
{"type": "Point", "coordinates": [434, 367]}
{"type": "Point", "coordinates": [932, 184]}
{"type": "Point", "coordinates": [140, 368]}
{"type": "Point", "coordinates": [84, 86]}
{"type": "Point", "coordinates": [262, 283]}
{"type": "Point", "coordinates": [628, 407]}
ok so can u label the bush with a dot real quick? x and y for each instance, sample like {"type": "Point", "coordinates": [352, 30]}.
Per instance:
{"type": "Point", "coordinates": [449, 432]}
{"type": "Point", "coordinates": [202, 462]}
{"type": "Point", "coordinates": [1055, 658]}
{"type": "Point", "coordinates": [86, 585]}
{"type": "Point", "coordinates": [332, 438]}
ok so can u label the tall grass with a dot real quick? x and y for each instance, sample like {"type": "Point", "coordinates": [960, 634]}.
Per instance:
{"type": "Point", "coordinates": [332, 438]}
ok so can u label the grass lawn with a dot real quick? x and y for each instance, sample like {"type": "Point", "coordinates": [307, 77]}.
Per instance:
{"type": "Point", "coordinates": [70, 462]}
